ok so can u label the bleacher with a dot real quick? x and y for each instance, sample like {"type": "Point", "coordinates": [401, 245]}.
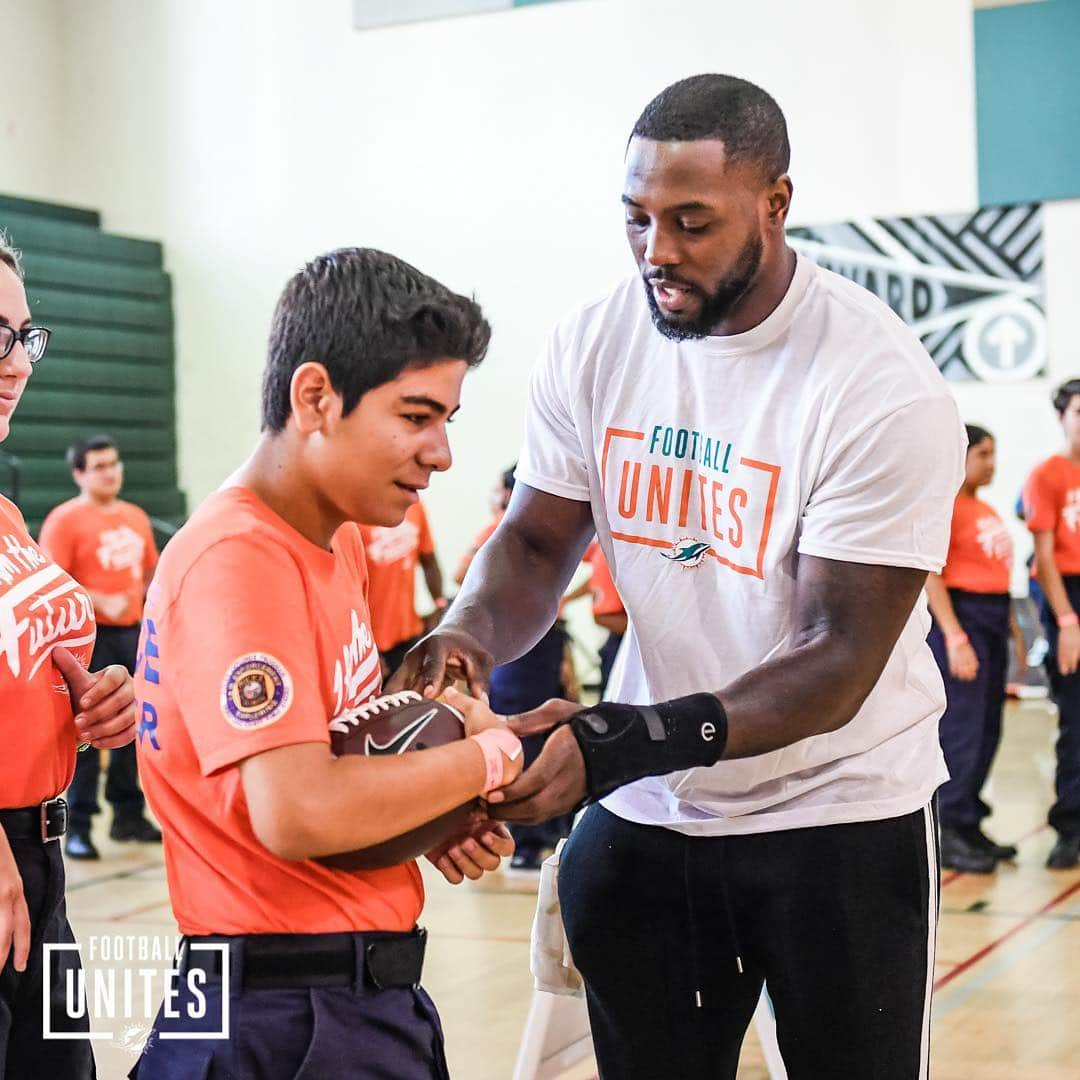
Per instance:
{"type": "Point", "coordinates": [110, 364]}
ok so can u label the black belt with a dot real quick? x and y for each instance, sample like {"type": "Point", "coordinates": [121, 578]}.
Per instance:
{"type": "Point", "coordinates": [48, 821]}
{"type": "Point", "coordinates": [296, 961]}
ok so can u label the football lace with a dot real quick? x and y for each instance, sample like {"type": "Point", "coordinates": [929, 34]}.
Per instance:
{"type": "Point", "coordinates": [352, 717]}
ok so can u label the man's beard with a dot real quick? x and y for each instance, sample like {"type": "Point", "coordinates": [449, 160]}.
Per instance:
{"type": "Point", "coordinates": [717, 305]}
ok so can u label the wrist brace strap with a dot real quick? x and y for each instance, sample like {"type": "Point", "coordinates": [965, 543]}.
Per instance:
{"type": "Point", "coordinates": [621, 743]}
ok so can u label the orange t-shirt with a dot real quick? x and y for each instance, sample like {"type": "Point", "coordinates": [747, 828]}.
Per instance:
{"type": "Point", "coordinates": [254, 638]}
{"type": "Point", "coordinates": [104, 550]}
{"type": "Point", "coordinates": [40, 607]}
{"type": "Point", "coordinates": [980, 548]}
{"type": "Point", "coordinates": [606, 600]}
{"type": "Point", "coordinates": [1052, 503]}
{"type": "Point", "coordinates": [392, 558]}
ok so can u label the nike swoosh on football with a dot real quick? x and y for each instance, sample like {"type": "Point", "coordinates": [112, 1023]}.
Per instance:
{"type": "Point", "coordinates": [404, 737]}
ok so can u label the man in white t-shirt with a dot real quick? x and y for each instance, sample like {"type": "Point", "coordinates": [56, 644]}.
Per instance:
{"type": "Point", "coordinates": [769, 458]}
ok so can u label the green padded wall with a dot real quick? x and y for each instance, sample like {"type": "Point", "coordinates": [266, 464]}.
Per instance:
{"type": "Point", "coordinates": [109, 367]}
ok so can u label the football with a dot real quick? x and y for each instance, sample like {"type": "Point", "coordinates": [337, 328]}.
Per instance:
{"type": "Point", "coordinates": [397, 724]}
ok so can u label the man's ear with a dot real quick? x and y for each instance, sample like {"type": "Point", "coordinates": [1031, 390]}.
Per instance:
{"type": "Point", "coordinates": [779, 200]}
{"type": "Point", "coordinates": [312, 397]}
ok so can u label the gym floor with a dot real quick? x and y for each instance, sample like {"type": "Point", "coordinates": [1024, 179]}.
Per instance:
{"type": "Point", "coordinates": [1006, 975]}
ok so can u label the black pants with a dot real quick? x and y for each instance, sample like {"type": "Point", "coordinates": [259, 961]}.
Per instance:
{"type": "Point", "coordinates": [24, 1053]}
{"type": "Point", "coordinates": [970, 728]}
{"type": "Point", "coordinates": [608, 652]}
{"type": "Point", "coordinates": [1065, 813]}
{"type": "Point", "coordinates": [318, 1032]}
{"type": "Point", "coordinates": [839, 920]}
{"type": "Point", "coordinates": [115, 645]}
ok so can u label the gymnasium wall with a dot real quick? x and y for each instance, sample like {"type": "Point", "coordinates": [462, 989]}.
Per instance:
{"type": "Point", "coordinates": [488, 150]}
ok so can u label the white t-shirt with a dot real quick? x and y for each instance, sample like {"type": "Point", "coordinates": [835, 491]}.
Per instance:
{"type": "Point", "coordinates": [711, 465]}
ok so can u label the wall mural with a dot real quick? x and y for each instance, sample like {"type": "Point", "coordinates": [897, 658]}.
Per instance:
{"type": "Point", "coordinates": [970, 285]}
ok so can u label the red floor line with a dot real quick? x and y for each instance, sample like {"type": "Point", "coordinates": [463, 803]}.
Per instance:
{"type": "Point", "coordinates": [504, 938]}
{"type": "Point", "coordinates": [949, 878]}
{"type": "Point", "coordinates": [985, 951]}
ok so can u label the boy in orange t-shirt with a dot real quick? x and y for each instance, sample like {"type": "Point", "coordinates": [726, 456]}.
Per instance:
{"type": "Point", "coordinates": [107, 545]}
{"type": "Point", "coordinates": [392, 558]}
{"type": "Point", "coordinates": [1052, 509]}
{"type": "Point", "coordinates": [256, 637]}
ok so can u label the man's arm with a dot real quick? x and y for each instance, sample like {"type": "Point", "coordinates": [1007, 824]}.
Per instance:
{"type": "Point", "coordinates": [510, 596]}
{"type": "Point", "coordinates": [848, 617]}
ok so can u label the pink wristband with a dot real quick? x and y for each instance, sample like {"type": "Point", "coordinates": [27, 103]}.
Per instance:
{"type": "Point", "coordinates": [494, 742]}
{"type": "Point", "coordinates": [952, 640]}
{"type": "Point", "coordinates": [1072, 619]}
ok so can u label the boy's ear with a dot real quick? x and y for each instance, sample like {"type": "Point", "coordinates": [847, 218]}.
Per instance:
{"type": "Point", "coordinates": [311, 396]}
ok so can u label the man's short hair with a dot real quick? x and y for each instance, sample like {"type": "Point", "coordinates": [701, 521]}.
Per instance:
{"type": "Point", "coordinates": [1064, 394]}
{"type": "Point", "coordinates": [508, 477]}
{"type": "Point", "coordinates": [741, 115]}
{"type": "Point", "coordinates": [77, 451]}
{"type": "Point", "coordinates": [366, 316]}
{"type": "Point", "coordinates": [9, 256]}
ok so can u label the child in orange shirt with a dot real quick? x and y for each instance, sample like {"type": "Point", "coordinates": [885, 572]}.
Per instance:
{"type": "Point", "coordinates": [392, 558]}
{"type": "Point", "coordinates": [970, 638]}
{"type": "Point", "coordinates": [1052, 509]}
{"type": "Point", "coordinates": [49, 704]}
{"type": "Point", "coordinates": [256, 637]}
{"type": "Point", "coordinates": [107, 545]}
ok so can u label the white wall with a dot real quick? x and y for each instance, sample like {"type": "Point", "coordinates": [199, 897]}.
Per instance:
{"type": "Point", "coordinates": [32, 104]}
{"type": "Point", "coordinates": [250, 135]}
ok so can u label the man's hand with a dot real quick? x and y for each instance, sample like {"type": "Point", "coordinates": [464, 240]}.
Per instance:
{"type": "Point", "coordinates": [441, 659]}
{"type": "Point", "coordinates": [554, 784]}
{"type": "Point", "coordinates": [481, 852]}
{"type": "Point", "coordinates": [103, 701]}
{"type": "Point", "coordinates": [14, 917]}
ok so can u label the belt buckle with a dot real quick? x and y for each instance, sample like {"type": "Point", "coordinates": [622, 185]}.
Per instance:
{"type": "Point", "coordinates": [54, 819]}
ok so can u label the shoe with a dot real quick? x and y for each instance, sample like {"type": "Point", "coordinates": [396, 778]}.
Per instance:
{"type": "Point", "coordinates": [978, 839]}
{"type": "Point", "coordinates": [1066, 853]}
{"type": "Point", "coordinates": [140, 829]}
{"type": "Point", "coordinates": [959, 853]}
{"type": "Point", "coordinates": [79, 846]}
{"type": "Point", "coordinates": [526, 860]}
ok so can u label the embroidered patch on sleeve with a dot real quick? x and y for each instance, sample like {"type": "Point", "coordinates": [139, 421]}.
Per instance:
{"type": "Point", "coordinates": [256, 692]}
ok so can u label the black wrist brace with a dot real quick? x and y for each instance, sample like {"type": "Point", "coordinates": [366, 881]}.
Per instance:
{"type": "Point", "coordinates": [621, 743]}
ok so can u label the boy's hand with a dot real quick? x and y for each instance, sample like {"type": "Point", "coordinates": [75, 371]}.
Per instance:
{"type": "Point", "coordinates": [479, 853]}
{"type": "Point", "coordinates": [103, 701]}
{"type": "Point", "coordinates": [479, 717]}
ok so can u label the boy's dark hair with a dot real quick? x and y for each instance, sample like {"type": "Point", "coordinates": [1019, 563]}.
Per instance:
{"type": "Point", "coordinates": [77, 451]}
{"type": "Point", "coordinates": [741, 115]}
{"type": "Point", "coordinates": [366, 316]}
{"type": "Point", "coordinates": [976, 434]}
{"type": "Point", "coordinates": [1064, 394]}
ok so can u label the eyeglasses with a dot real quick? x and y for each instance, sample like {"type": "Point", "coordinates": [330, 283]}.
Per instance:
{"type": "Point", "coordinates": [34, 339]}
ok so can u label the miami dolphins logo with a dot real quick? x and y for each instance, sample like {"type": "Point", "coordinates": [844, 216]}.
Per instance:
{"type": "Point", "coordinates": [687, 551]}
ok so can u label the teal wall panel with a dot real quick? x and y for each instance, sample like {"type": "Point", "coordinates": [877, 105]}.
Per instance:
{"type": "Point", "coordinates": [1027, 75]}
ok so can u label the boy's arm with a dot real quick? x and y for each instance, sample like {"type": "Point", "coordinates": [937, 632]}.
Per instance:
{"type": "Point", "coordinates": [304, 803]}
